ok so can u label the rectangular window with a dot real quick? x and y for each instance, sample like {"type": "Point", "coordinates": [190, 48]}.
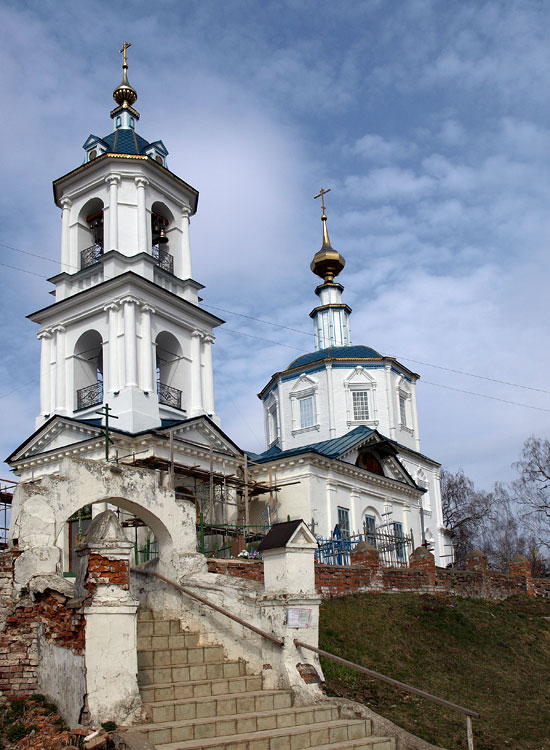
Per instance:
{"type": "Point", "coordinates": [343, 521]}
{"type": "Point", "coordinates": [306, 412]}
{"type": "Point", "coordinates": [360, 406]}
{"type": "Point", "coordinates": [399, 541]}
{"type": "Point", "coordinates": [403, 410]}
{"type": "Point", "coordinates": [369, 527]}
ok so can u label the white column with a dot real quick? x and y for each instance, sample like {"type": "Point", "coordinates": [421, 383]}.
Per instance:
{"type": "Point", "coordinates": [196, 385]}
{"type": "Point", "coordinates": [146, 350]}
{"type": "Point", "coordinates": [113, 182]}
{"type": "Point", "coordinates": [112, 377]}
{"type": "Point", "coordinates": [415, 416]}
{"type": "Point", "coordinates": [207, 374]}
{"type": "Point", "coordinates": [45, 373]}
{"type": "Point", "coordinates": [331, 424]}
{"type": "Point", "coordinates": [141, 183]}
{"type": "Point", "coordinates": [185, 245]}
{"type": "Point", "coordinates": [66, 266]}
{"type": "Point", "coordinates": [390, 401]}
{"type": "Point", "coordinates": [130, 341]}
{"type": "Point", "coordinates": [60, 394]}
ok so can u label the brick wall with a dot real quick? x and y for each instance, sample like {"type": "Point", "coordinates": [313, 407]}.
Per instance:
{"type": "Point", "coordinates": [251, 570]}
{"type": "Point", "coordinates": [22, 620]}
{"type": "Point", "coordinates": [102, 570]}
{"type": "Point", "coordinates": [422, 576]}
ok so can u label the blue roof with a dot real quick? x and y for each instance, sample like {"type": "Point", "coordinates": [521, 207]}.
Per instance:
{"type": "Point", "coordinates": [336, 352]}
{"type": "Point", "coordinates": [329, 448]}
{"type": "Point", "coordinates": [333, 448]}
{"type": "Point", "coordinates": [125, 141]}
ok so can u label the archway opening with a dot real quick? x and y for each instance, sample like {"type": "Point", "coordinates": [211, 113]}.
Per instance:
{"type": "Point", "coordinates": [90, 232]}
{"type": "Point", "coordinates": [162, 220]}
{"type": "Point", "coordinates": [169, 370]}
{"type": "Point", "coordinates": [139, 527]}
{"type": "Point", "coordinates": [88, 370]}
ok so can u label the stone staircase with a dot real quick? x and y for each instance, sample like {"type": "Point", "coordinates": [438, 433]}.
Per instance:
{"type": "Point", "coordinates": [198, 700]}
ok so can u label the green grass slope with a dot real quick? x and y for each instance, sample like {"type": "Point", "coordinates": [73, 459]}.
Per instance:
{"type": "Point", "coordinates": [492, 657]}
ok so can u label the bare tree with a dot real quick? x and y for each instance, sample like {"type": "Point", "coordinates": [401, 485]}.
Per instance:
{"type": "Point", "coordinates": [532, 488]}
{"type": "Point", "coordinates": [466, 511]}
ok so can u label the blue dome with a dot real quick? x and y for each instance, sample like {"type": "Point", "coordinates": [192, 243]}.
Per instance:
{"type": "Point", "coordinates": [336, 352]}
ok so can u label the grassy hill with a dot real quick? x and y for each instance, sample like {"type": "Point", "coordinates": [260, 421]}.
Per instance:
{"type": "Point", "coordinates": [493, 657]}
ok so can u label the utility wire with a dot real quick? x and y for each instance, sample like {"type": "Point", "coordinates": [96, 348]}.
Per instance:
{"type": "Point", "coordinates": [306, 333]}
{"type": "Point", "coordinates": [484, 395]}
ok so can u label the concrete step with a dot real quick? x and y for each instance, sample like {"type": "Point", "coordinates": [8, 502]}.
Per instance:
{"type": "Point", "coordinates": [279, 743]}
{"type": "Point", "coordinates": [200, 688]}
{"type": "Point", "coordinates": [202, 708]}
{"type": "Point", "coordinates": [191, 672]}
{"type": "Point", "coordinates": [319, 734]}
{"type": "Point", "coordinates": [164, 657]}
{"type": "Point", "coordinates": [302, 721]}
{"type": "Point", "coordinates": [175, 639]}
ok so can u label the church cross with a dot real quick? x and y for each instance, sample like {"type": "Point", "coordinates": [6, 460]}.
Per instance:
{"type": "Point", "coordinates": [321, 195]}
{"type": "Point", "coordinates": [125, 46]}
{"type": "Point", "coordinates": [105, 412]}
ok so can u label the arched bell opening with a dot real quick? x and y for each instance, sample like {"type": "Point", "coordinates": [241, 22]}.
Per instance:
{"type": "Point", "coordinates": [135, 529]}
{"type": "Point", "coordinates": [162, 220]}
{"type": "Point", "coordinates": [88, 370]}
{"type": "Point", "coordinates": [90, 232]}
{"type": "Point", "coordinates": [169, 370]}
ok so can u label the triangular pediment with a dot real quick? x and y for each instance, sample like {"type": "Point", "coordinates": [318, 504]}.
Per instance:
{"type": "Point", "coordinates": [204, 431]}
{"type": "Point", "coordinates": [304, 383]}
{"type": "Point", "coordinates": [386, 454]}
{"type": "Point", "coordinates": [55, 434]}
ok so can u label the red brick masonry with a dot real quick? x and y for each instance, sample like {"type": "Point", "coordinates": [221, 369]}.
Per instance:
{"type": "Point", "coordinates": [421, 576]}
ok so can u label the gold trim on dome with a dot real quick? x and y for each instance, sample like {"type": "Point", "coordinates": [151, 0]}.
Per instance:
{"type": "Point", "coordinates": [328, 262]}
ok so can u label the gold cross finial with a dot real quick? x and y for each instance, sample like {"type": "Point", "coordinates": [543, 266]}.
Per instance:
{"type": "Point", "coordinates": [321, 195]}
{"type": "Point", "coordinates": [125, 46]}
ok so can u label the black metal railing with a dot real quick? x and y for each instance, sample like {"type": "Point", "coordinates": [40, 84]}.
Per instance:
{"type": "Point", "coordinates": [91, 395]}
{"type": "Point", "coordinates": [163, 258]}
{"type": "Point", "coordinates": [90, 255]}
{"type": "Point", "coordinates": [169, 396]}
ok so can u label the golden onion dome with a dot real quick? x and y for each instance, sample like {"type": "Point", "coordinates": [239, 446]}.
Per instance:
{"type": "Point", "coordinates": [327, 263]}
{"type": "Point", "coordinates": [125, 94]}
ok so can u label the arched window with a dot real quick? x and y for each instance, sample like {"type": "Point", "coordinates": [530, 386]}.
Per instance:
{"type": "Point", "coordinates": [90, 232]}
{"type": "Point", "coordinates": [88, 370]}
{"type": "Point", "coordinates": [169, 369]}
{"type": "Point", "coordinates": [161, 221]}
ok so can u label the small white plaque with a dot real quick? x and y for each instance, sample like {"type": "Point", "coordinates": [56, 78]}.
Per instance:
{"type": "Point", "coordinates": [298, 618]}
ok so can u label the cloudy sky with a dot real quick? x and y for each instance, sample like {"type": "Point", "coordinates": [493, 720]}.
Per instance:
{"type": "Point", "coordinates": [428, 120]}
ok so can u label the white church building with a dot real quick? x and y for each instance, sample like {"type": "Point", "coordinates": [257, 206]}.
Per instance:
{"type": "Point", "coordinates": [126, 340]}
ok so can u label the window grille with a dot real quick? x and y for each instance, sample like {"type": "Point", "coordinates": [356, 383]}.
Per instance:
{"type": "Point", "coordinates": [306, 412]}
{"type": "Point", "coordinates": [343, 521]}
{"type": "Point", "coordinates": [360, 406]}
{"type": "Point", "coordinates": [403, 410]}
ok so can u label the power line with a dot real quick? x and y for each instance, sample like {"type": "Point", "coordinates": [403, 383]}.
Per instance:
{"type": "Point", "coordinates": [305, 333]}
{"type": "Point", "coordinates": [484, 395]}
{"type": "Point", "coordinates": [472, 375]}
{"type": "Point", "coordinates": [259, 338]}
{"type": "Point", "coordinates": [259, 320]}
{"type": "Point", "coordinates": [35, 255]}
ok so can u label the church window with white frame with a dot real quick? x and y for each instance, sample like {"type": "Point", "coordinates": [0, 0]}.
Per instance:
{"type": "Point", "coordinates": [343, 521]}
{"type": "Point", "coordinates": [360, 401]}
{"type": "Point", "coordinates": [403, 409]}
{"type": "Point", "coordinates": [272, 424]}
{"type": "Point", "coordinates": [307, 412]}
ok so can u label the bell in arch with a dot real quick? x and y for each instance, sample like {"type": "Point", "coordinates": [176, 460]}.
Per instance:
{"type": "Point", "coordinates": [162, 239]}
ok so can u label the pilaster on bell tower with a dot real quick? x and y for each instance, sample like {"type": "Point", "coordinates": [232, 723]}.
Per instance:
{"type": "Point", "coordinates": [126, 328]}
{"type": "Point", "coordinates": [331, 318]}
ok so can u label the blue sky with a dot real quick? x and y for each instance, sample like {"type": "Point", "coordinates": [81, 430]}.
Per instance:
{"type": "Point", "coordinates": [428, 120]}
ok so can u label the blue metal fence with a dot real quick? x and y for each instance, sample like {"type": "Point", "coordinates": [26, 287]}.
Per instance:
{"type": "Point", "coordinates": [393, 548]}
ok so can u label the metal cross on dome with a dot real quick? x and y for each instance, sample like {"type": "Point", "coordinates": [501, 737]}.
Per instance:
{"type": "Point", "coordinates": [125, 46]}
{"type": "Point", "coordinates": [321, 195]}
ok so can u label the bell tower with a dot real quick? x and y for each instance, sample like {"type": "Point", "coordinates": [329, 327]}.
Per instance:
{"type": "Point", "coordinates": [126, 327]}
